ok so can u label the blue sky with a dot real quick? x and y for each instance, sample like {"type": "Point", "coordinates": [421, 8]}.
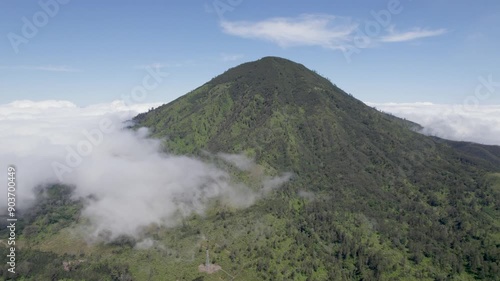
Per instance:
{"type": "Point", "coordinates": [91, 52]}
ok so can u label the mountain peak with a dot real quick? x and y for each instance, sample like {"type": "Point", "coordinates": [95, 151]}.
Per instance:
{"type": "Point", "coordinates": [272, 98]}
{"type": "Point", "coordinates": [276, 61]}
{"type": "Point", "coordinates": [272, 75]}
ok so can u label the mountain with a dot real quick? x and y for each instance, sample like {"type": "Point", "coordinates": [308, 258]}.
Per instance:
{"type": "Point", "coordinates": [370, 197]}
{"type": "Point", "coordinates": [389, 202]}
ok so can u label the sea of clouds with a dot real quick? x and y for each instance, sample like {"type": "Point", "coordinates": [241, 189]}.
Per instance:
{"type": "Point", "coordinates": [132, 182]}
{"type": "Point", "coordinates": [478, 123]}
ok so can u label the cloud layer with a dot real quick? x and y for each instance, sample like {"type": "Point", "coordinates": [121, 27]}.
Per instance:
{"type": "Point", "coordinates": [133, 182]}
{"type": "Point", "coordinates": [479, 123]}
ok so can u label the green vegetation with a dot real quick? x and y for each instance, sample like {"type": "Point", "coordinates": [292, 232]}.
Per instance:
{"type": "Point", "coordinates": [370, 200]}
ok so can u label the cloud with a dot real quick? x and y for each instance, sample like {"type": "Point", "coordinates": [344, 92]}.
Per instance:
{"type": "Point", "coordinates": [51, 68]}
{"type": "Point", "coordinates": [244, 163]}
{"type": "Point", "coordinates": [327, 31]}
{"type": "Point", "coordinates": [306, 30]}
{"type": "Point", "coordinates": [414, 34]}
{"type": "Point", "coordinates": [132, 181]}
{"type": "Point", "coordinates": [231, 57]}
{"type": "Point", "coordinates": [240, 161]}
{"type": "Point", "coordinates": [479, 124]}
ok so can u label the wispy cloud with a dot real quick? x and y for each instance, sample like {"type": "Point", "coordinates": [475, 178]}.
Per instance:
{"type": "Point", "coordinates": [52, 68]}
{"type": "Point", "coordinates": [416, 33]}
{"type": "Point", "coordinates": [306, 30]}
{"type": "Point", "coordinates": [231, 57]}
{"type": "Point", "coordinates": [327, 31]}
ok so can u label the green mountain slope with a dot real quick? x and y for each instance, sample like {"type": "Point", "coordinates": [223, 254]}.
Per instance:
{"type": "Point", "coordinates": [370, 199]}
{"type": "Point", "coordinates": [426, 205]}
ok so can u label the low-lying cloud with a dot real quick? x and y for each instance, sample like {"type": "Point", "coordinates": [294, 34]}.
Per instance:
{"type": "Point", "coordinates": [480, 123]}
{"type": "Point", "coordinates": [126, 177]}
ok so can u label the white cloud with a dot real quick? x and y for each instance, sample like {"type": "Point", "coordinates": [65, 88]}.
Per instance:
{"type": "Point", "coordinates": [414, 34]}
{"type": "Point", "coordinates": [136, 184]}
{"type": "Point", "coordinates": [456, 122]}
{"type": "Point", "coordinates": [327, 31]}
{"type": "Point", "coordinates": [240, 161]}
{"type": "Point", "coordinates": [306, 30]}
{"type": "Point", "coordinates": [51, 68]}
